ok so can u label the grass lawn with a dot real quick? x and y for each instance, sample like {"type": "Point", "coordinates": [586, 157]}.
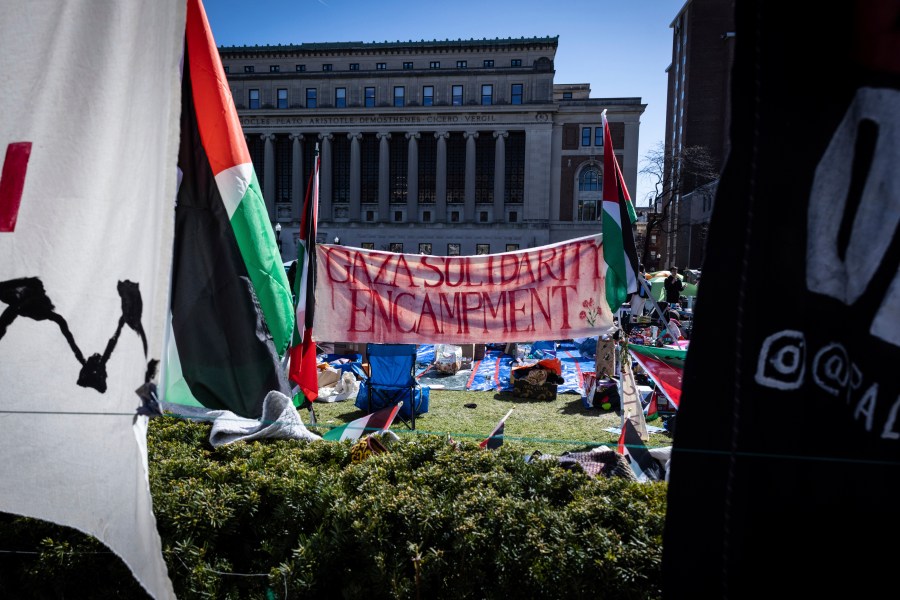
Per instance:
{"type": "Point", "coordinates": [551, 427]}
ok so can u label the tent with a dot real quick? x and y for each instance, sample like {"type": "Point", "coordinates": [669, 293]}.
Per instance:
{"type": "Point", "coordinates": [658, 290]}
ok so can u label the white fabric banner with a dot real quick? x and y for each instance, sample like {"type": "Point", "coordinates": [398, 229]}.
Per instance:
{"type": "Point", "coordinates": [89, 136]}
{"type": "Point", "coordinates": [545, 293]}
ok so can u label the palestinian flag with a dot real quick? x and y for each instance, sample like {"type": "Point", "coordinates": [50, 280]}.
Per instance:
{"type": "Point", "coordinates": [651, 412]}
{"type": "Point", "coordinates": [231, 307]}
{"type": "Point", "coordinates": [496, 438]}
{"type": "Point", "coordinates": [632, 446]}
{"type": "Point", "coordinates": [618, 217]}
{"type": "Point", "coordinates": [303, 369]}
{"type": "Point", "coordinates": [376, 421]}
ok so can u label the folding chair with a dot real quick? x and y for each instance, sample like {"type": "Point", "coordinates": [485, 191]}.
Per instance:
{"type": "Point", "coordinates": [392, 379]}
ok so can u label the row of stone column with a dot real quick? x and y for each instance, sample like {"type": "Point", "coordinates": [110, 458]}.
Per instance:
{"type": "Point", "coordinates": [325, 200]}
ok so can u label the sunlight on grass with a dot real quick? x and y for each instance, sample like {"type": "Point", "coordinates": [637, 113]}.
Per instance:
{"type": "Point", "coordinates": [551, 427]}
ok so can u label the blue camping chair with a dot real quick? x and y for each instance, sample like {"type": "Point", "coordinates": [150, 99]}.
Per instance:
{"type": "Point", "coordinates": [391, 380]}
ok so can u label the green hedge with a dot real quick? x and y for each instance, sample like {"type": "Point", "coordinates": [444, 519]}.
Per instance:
{"type": "Point", "coordinates": [300, 521]}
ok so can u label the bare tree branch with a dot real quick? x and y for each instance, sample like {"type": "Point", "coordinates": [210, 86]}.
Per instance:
{"type": "Point", "coordinates": [672, 177]}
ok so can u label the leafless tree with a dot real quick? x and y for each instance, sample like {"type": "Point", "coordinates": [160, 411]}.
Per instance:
{"type": "Point", "coordinates": [673, 176]}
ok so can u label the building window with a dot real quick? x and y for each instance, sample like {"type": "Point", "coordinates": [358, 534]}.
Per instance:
{"type": "Point", "coordinates": [399, 95]}
{"type": "Point", "coordinates": [326, 67]}
{"type": "Point", "coordinates": [274, 69]}
{"type": "Point", "coordinates": [340, 98]}
{"type": "Point", "coordinates": [454, 216]}
{"type": "Point", "coordinates": [457, 95]}
{"type": "Point", "coordinates": [485, 160]}
{"type": "Point", "coordinates": [512, 247]}
{"type": "Point", "coordinates": [598, 136]}
{"type": "Point", "coordinates": [482, 248]}
{"type": "Point", "coordinates": [398, 167]}
{"type": "Point", "coordinates": [283, 172]}
{"type": "Point", "coordinates": [589, 180]}
{"type": "Point", "coordinates": [567, 95]}
{"type": "Point", "coordinates": [425, 248]}
{"type": "Point", "coordinates": [301, 68]}
{"type": "Point", "coordinates": [516, 62]}
{"type": "Point", "coordinates": [340, 174]}
{"type": "Point", "coordinates": [367, 245]}
{"type": "Point", "coordinates": [513, 216]}
{"type": "Point", "coordinates": [254, 99]}
{"type": "Point", "coordinates": [428, 95]}
{"type": "Point", "coordinates": [381, 66]}
{"type": "Point", "coordinates": [488, 64]}
{"type": "Point", "coordinates": [483, 216]}
{"type": "Point", "coordinates": [257, 149]}
{"type": "Point", "coordinates": [587, 210]}
{"type": "Point", "coordinates": [589, 193]}
{"type": "Point", "coordinates": [354, 66]}
{"type": "Point", "coordinates": [370, 97]}
{"type": "Point", "coordinates": [370, 216]}
{"type": "Point", "coordinates": [396, 247]}
{"type": "Point", "coordinates": [453, 249]}
{"type": "Point", "coordinates": [514, 192]}
{"type": "Point", "coordinates": [456, 171]}
{"type": "Point", "coordinates": [515, 94]}
{"type": "Point", "coordinates": [282, 98]}
{"type": "Point", "coordinates": [407, 65]}
{"type": "Point", "coordinates": [249, 69]}
{"type": "Point", "coordinates": [226, 69]}
{"type": "Point", "coordinates": [426, 217]}
{"type": "Point", "coordinates": [585, 136]}
{"type": "Point", "coordinates": [435, 64]}
{"type": "Point", "coordinates": [368, 158]}
{"type": "Point", "coordinates": [487, 94]}
{"type": "Point", "coordinates": [311, 98]}
{"type": "Point", "coordinates": [461, 64]}
{"type": "Point", "coordinates": [427, 174]}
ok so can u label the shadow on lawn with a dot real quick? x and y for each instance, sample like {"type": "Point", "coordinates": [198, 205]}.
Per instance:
{"type": "Point", "coordinates": [576, 407]}
{"type": "Point", "coordinates": [350, 415]}
{"type": "Point", "coordinates": [516, 399]}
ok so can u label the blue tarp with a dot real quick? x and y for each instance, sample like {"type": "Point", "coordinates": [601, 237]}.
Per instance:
{"type": "Point", "coordinates": [493, 371]}
{"type": "Point", "coordinates": [345, 362]}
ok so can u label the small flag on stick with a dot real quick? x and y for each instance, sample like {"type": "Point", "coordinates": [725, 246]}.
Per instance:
{"type": "Point", "coordinates": [496, 438]}
{"type": "Point", "coordinates": [303, 370]}
{"type": "Point", "coordinates": [371, 423]}
{"type": "Point", "coordinates": [651, 412]}
{"type": "Point", "coordinates": [631, 445]}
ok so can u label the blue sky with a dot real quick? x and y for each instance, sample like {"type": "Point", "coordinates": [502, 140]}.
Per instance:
{"type": "Point", "coordinates": [621, 48]}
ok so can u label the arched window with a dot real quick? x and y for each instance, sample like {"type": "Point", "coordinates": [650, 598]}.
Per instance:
{"type": "Point", "coordinates": [590, 187]}
{"type": "Point", "coordinates": [589, 179]}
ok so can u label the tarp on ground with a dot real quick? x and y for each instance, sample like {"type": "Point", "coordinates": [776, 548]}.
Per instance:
{"type": "Point", "coordinates": [492, 372]}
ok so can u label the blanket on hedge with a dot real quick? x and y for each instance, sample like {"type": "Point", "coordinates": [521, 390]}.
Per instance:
{"type": "Point", "coordinates": [280, 420]}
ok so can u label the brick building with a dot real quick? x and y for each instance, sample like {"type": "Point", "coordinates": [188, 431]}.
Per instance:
{"type": "Point", "coordinates": [697, 114]}
{"type": "Point", "coordinates": [442, 147]}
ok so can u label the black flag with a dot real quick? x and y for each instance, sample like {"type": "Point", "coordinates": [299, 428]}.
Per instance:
{"type": "Point", "coordinates": [786, 460]}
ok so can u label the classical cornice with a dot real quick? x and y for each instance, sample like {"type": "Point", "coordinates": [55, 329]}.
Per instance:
{"type": "Point", "coordinates": [349, 48]}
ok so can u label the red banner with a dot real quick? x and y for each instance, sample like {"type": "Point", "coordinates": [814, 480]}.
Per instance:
{"type": "Point", "coordinates": [546, 293]}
